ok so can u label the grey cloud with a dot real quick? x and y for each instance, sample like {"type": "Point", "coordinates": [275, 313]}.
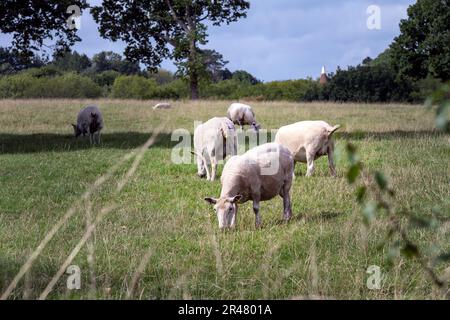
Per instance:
{"type": "Point", "coordinates": [285, 39]}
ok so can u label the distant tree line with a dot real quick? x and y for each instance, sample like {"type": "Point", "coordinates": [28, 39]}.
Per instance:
{"type": "Point", "coordinates": [70, 74]}
{"type": "Point", "coordinates": [108, 74]}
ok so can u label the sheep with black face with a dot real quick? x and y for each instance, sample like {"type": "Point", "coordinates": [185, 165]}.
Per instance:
{"type": "Point", "coordinates": [89, 121]}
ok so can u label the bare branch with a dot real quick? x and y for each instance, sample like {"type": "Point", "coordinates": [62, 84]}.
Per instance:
{"type": "Point", "coordinates": [206, 16]}
{"type": "Point", "coordinates": [175, 17]}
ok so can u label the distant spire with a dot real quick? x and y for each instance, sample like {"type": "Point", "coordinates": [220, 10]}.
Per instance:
{"type": "Point", "coordinates": [323, 77]}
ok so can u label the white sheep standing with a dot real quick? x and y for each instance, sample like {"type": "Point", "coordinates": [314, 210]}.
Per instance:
{"type": "Point", "coordinates": [213, 141]}
{"type": "Point", "coordinates": [258, 175]}
{"type": "Point", "coordinates": [307, 141]}
{"type": "Point", "coordinates": [89, 121]}
{"type": "Point", "coordinates": [242, 114]}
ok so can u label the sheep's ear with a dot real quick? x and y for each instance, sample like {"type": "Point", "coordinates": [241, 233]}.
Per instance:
{"type": "Point", "coordinates": [235, 198]}
{"type": "Point", "coordinates": [210, 200]}
{"type": "Point", "coordinates": [73, 125]}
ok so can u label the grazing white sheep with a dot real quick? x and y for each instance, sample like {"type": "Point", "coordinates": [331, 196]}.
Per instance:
{"type": "Point", "coordinates": [307, 141]}
{"type": "Point", "coordinates": [89, 121]}
{"type": "Point", "coordinates": [213, 141]}
{"type": "Point", "coordinates": [258, 175]}
{"type": "Point", "coordinates": [162, 105]}
{"type": "Point", "coordinates": [242, 114]}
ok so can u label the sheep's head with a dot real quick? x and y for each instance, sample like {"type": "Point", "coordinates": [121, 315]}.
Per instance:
{"type": "Point", "coordinates": [77, 132]}
{"type": "Point", "coordinates": [226, 210]}
{"type": "Point", "coordinates": [256, 126]}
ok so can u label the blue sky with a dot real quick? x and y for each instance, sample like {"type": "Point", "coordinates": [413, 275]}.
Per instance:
{"type": "Point", "coordinates": [285, 39]}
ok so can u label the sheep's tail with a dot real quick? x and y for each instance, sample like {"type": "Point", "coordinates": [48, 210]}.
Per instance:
{"type": "Point", "coordinates": [331, 130]}
{"type": "Point", "coordinates": [204, 162]}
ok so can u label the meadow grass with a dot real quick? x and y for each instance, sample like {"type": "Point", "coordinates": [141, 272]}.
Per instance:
{"type": "Point", "coordinates": [161, 240]}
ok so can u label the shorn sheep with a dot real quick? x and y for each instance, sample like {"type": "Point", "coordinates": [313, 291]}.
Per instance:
{"type": "Point", "coordinates": [307, 141]}
{"type": "Point", "coordinates": [162, 105]}
{"type": "Point", "coordinates": [242, 114]}
{"type": "Point", "coordinates": [89, 121]}
{"type": "Point", "coordinates": [213, 141]}
{"type": "Point", "coordinates": [258, 175]}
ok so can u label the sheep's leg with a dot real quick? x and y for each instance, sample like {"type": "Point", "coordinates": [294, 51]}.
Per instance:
{"type": "Point", "coordinates": [213, 168]}
{"type": "Point", "coordinates": [201, 171]}
{"type": "Point", "coordinates": [207, 162]}
{"type": "Point", "coordinates": [258, 221]}
{"type": "Point", "coordinates": [241, 124]}
{"type": "Point", "coordinates": [310, 163]}
{"type": "Point", "coordinates": [208, 176]}
{"type": "Point", "coordinates": [331, 161]}
{"type": "Point", "coordinates": [287, 212]}
{"type": "Point", "coordinates": [293, 172]}
{"type": "Point", "coordinates": [90, 137]}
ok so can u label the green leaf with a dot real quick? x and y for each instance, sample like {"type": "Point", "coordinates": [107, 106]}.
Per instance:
{"type": "Point", "coordinates": [410, 250]}
{"type": "Point", "coordinates": [381, 180]}
{"type": "Point", "coordinates": [351, 148]}
{"type": "Point", "coordinates": [369, 212]}
{"type": "Point", "coordinates": [419, 222]}
{"type": "Point", "coordinates": [393, 252]}
{"type": "Point", "coordinates": [442, 121]}
{"type": "Point", "coordinates": [429, 102]}
{"type": "Point", "coordinates": [443, 257]}
{"type": "Point", "coordinates": [351, 152]}
{"type": "Point", "coordinates": [361, 193]}
{"type": "Point", "coordinates": [353, 173]}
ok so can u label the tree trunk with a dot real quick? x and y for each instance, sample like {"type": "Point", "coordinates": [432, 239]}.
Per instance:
{"type": "Point", "coordinates": [193, 73]}
{"type": "Point", "coordinates": [194, 86]}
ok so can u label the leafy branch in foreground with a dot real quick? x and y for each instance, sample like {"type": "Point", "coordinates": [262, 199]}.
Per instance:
{"type": "Point", "coordinates": [441, 99]}
{"type": "Point", "coordinates": [375, 196]}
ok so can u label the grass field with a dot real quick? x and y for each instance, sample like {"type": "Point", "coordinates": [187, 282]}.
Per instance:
{"type": "Point", "coordinates": [161, 240]}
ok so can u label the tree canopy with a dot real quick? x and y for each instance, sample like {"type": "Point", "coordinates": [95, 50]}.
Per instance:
{"type": "Point", "coordinates": [108, 60]}
{"type": "Point", "coordinates": [33, 22]}
{"type": "Point", "coordinates": [214, 65]}
{"type": "Point", "coordinates": [423, 47]}
{"type": "Point", "coordinates": [12, 62]}
{"type": "Point", "coordinates": [244, 76]}
{"type": "Point", "coordinates": [155, 30]}
{"type": "Point", "coordinates": [71, 61]}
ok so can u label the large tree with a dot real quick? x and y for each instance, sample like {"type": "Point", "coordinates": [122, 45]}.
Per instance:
{"type": "Point", "coordinates": [244, 76]}
{"type": "Point", "coordinates": [71, 61]}
{"type": "Point", "coordinates": [155, 30]}
{"type": "Point", "coordinates": [108, 60]}
{"type": "Point", "coordinates": [37, 23]}
{"type": "Point", "coordinates": [214, 65]}
{"type": "Point", "coordinates": [11, 62]}
{"type": "Point", "coordinates": [423, 47]}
